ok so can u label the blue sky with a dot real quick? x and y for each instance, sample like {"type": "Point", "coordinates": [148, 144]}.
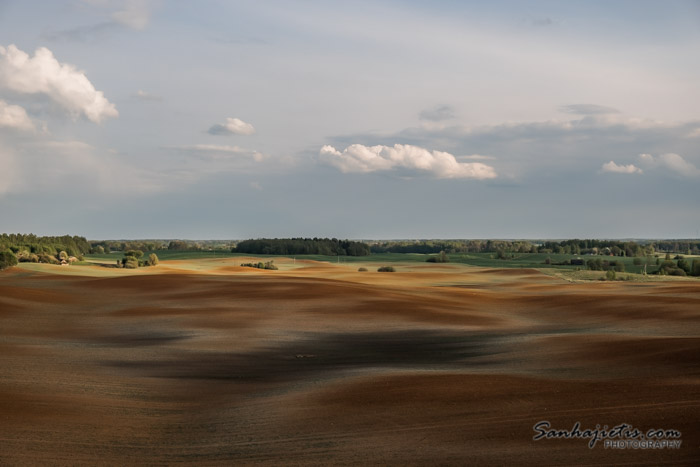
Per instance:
{"type": "Point", "coordinates": [382, 119]}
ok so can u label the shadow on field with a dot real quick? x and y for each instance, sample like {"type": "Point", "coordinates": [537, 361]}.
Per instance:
{"type": "Point", "coordinates": [325, 353]}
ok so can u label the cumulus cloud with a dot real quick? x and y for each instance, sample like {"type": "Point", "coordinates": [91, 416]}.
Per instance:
{"type": "Point", "coordinates": [360, 158]}
{"type": "Point", "coordinates": [232, 126]}
{"type": "Point", "coordinates": [14, 117]}
{"type": "Point", "coordinates": [588, 109]}
{"type": "Point", "coordinates": [63, 83]}
{"type": "Point", "coordinates": [672, 162]}
{"type": "Point", "coordinates": [438, 114]}
{"type": "Point", "coordinates": [622, 169]}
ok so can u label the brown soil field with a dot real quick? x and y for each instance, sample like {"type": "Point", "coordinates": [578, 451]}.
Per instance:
{"type": "Point", "coordinates": [206, 362]}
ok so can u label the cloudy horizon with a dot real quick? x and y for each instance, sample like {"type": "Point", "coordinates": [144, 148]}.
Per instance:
{"type": "Point", "coordinates": [374, 120]}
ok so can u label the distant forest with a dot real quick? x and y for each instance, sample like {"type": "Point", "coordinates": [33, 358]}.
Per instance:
{"type": "Point", "coordinates": [572, 247]}
{"type": "Point", "coordinates": [32, 248]}
{"type": "Point", "coordinates": [303, 246]}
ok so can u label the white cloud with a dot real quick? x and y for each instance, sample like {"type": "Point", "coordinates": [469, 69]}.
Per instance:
{"type": "Point", "coordinates": [672, 162]}
{"type": "Point", "coordinates": [232, 126]}
{"type": "Point", "coordinates": [63, 83]}
{"type": "Point", "coordinates": [360, 158]}
{"type": "Point", "coordinates": [135, 14]}
{"type": "Point", "coordinates": [647, 159]}
{"type": "Point", "coordinates": [623, 169]}
{"type": "Point", "coordinates": [14, 117]}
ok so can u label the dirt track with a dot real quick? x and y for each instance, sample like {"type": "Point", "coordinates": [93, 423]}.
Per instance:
{"type": "Point", "coordinates": [326, 365]}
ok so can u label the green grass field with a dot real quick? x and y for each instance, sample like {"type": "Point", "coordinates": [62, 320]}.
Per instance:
{"type": "Point", "coordinates": [520, 260]}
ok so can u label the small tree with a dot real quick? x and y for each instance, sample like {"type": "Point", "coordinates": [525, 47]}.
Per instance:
{"type": "Point", "coordinates": [7, 259]}
{"type": "Point", "coordinates": [135, 253]}
{"type": "Point", "coordinates": [63, 256]}
{"type": "Point", "coordinates": [440, 258]}
{"type": "Point", "coordinates": [695, 268]}
{"type": "Point", "coordinates": [684, 265]}
{"type": "Point", "coordinates": [610, 275]}
{"type": "Point", "coordinates": [152, 259]}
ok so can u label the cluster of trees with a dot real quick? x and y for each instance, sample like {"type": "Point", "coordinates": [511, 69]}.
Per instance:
{"type": "Point", "coordinates": [604, 265]}
{"type": "Point", "coordinates": [107, 246]}
{"type": "Point", "coordinates": [506, 248]}
{"type": "Point", "coordinates": [681, 267]}
{"type": "Point", "coordinates": [7, 259]}
{"type": "Point", "coordinates": [597, 247]}
{"type": "Point", "coordinates": [201, 245]}
{"type": "Point", "coordinates": [452, 246]}
{"type": "Point", "coordinates": [302, 246]}
{"type": "Point", "coordinates": [30, 248]}
{"type": "Point", "coordinates": [22, 245]}
{"type": "Point", "coordinates": [261, 265]}
{"type": "Point", "coordinates": [440, 258]}
{"type": "Point", "coordinates": [386, 269]}
{"type": "Point", "coordinates": [688, 247]}
{"type": "Point", "coordinates": [133, 259]}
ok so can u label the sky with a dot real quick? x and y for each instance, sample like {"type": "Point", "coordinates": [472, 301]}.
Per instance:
{"type": "Point", "coordinates": [377, 119]}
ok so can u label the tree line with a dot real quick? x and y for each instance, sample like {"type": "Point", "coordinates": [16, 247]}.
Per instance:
{"type": "Point", "coordinates": [108, 246]}
{"type": "Point", "coordinates": [32, 248]}
{"type": "Point", "coordinates": [30, 243]}
{"type": "Point", "coordinates": [302, 246]}
{"type": "Point", "coordinates": [571, 247]}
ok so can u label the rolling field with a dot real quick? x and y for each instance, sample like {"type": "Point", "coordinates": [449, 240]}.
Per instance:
{"type": "Point", "coordinates": [487, 260]}
{"type": "Point", "coordinates": [201, 361]}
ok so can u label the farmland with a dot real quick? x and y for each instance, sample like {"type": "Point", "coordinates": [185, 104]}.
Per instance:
{"type": "Point", "coordinates": [201, 360]}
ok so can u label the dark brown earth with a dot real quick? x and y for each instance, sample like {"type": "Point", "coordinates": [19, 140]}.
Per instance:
{"type": "Point", "coordinates": [323, 365]}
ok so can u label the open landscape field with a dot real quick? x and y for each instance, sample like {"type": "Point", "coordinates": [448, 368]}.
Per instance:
{"type": "Point", "coordinates": [199, 360]}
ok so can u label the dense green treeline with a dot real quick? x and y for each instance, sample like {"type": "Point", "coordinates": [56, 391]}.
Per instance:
{"type": "Point", "coordinates": [572, 247]}
{"type": "Point", "coordinates": [303, 246]}
{"type": "Point", "coordinates": [107, 246]}
{"type": "Point", "coordinates": [30, 243]}
{"type": "Point", "coordinates": [31, 248]}
{"type": "Point", "coordinates": [452, 246]}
